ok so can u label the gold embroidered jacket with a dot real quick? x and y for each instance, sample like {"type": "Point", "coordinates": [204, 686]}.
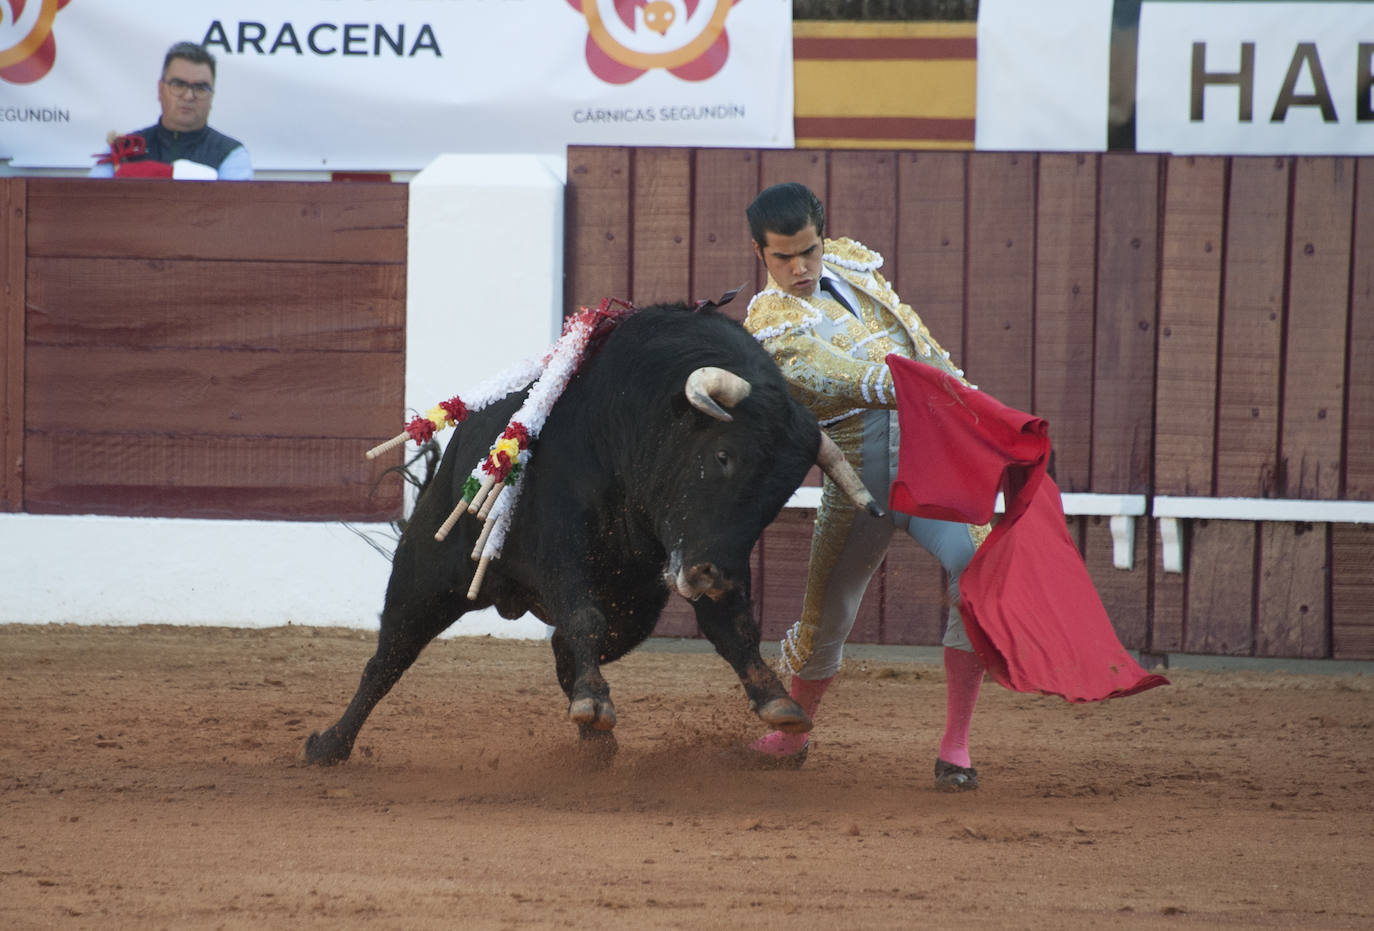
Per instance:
{"type": "Point", "coordinates": [832, 359]}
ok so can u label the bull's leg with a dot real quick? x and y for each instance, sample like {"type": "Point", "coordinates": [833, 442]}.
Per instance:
{"type": "Point", "coordinates": [731, 628]}
{"type": "Point", "coordinates": [594, 716]}
{"type": "Point", "coordinates": [405, 632]}
{"type": "Point", "coordinates": [577, 659]}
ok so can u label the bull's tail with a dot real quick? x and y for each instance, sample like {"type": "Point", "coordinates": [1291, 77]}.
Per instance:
{"type": "Point", "coordinates": [428, 455]}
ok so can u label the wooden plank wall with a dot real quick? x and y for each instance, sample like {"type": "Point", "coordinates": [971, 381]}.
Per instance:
{"type": "Point", "coordinates": [1189, 326]}
{"type": "Point", "coordinates": [1352, 547]}
{"type": "Point", "coordinates": [12, 236]}
{"type": "Point", "coordinates": [212, 350]}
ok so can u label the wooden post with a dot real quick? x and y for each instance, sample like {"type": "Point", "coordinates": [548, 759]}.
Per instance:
{"type": "Point", "coordinates": [13, 222]}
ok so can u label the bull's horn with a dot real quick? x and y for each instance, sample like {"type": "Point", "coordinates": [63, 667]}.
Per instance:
{"type": "Point", "coordinates": [833, 464]}
{"type": "Point", "coordinates": [709, 387]}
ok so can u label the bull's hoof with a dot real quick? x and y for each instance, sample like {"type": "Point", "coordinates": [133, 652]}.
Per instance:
{"type": "Point", "coordinates": [595, 748]}
{"type": "Point", "coordinates": [588, 712]}
{"type": "Point", "coordinates": [326, 749]}
{"type": "Point", "coordinates": [783, 714]}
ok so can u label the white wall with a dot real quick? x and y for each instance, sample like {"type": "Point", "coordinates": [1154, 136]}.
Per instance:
{"type": "Point", "coordinates": [484, 290]}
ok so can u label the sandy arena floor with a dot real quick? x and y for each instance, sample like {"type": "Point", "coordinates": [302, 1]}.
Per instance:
{"type": "Point", "coordinates": [151, 778]}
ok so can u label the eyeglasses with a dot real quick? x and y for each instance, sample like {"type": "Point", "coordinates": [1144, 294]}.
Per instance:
{"type": "Point", "coordinates": [199, 90]}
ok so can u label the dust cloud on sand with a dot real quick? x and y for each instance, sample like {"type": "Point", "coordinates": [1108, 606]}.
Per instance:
{"type": "Point", "coordinates": [152, 777]}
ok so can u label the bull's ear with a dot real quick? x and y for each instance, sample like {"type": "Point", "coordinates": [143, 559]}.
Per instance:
{"type": "Point", "coordinates": [721, 301]}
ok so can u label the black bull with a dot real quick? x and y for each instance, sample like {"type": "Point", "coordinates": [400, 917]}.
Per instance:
{"type": "Point", "coordinates": [634, 486]}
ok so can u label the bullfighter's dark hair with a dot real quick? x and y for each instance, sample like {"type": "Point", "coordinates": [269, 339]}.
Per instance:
{"type": "Point", "coordinates": [195, 54]}
{"type": "Point", "coordinates": [784, 209]}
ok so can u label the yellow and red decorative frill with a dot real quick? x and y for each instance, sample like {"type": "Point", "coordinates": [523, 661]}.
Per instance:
{"type": "Point", "coordinates": [443, 415]}
{"type": "Point", "coordinates": [504, 456]}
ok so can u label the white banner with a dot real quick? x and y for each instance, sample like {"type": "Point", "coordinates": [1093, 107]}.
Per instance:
{"type": "Point", "coordinates": [1221, 77]}
{"type": "Point", "coordinates": [362, 85]}
{"type": "Point", "coordinates": [1042, 75]}
{"type": "Point", "coordinates": [1255, 78]}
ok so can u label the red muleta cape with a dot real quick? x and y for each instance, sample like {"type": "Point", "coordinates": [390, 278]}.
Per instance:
{"type": "Point", "coordinates": [1030, 609]}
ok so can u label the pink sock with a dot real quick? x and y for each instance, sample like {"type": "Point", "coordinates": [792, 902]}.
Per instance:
{"type": "Point", "coordinates": [963, 677]}
{"type": "Point", "coordinates": [807, 693]}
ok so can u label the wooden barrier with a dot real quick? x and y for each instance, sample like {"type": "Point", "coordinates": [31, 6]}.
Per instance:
{"type": "Point", "coordinates": [1190, 327]}
{"type": "Point", "coordinates": [1195, 330]}
{"type": "Point", "coordinates": [203, 350]}
{"type": "Point", "coordinates": [13, 221]}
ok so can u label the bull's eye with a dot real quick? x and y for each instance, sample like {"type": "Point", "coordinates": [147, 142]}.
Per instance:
{"type": "Point", "coordinates": [724, 459]}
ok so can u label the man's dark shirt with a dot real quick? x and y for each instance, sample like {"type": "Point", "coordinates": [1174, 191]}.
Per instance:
{"type": "Point", "coordinates": [205, 145]}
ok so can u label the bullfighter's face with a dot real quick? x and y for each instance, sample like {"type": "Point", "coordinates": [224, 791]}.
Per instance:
{"type": "Point", "coordinates": [185, 91]}
{"type": "Point", "coordinates": [793, 261]}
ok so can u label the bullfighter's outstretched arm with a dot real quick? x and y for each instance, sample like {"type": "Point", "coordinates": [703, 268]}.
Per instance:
{"type": "Point", "coordinates": [818, 367]}
{"type": "Point", "coordinates": [814, 365]}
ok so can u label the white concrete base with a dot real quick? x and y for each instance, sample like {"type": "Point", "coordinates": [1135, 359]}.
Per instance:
{"type": "Point", "coordinates": [125, 571]}
{"type": "Point", "coordinates": [484, 270]}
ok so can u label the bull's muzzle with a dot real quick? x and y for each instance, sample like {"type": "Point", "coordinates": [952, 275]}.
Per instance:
{"type": "Point", "coordinates": [691, 582]}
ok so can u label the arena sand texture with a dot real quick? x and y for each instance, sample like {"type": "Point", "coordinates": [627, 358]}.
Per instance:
{"type": "Point", "coordinates": [152, 778]}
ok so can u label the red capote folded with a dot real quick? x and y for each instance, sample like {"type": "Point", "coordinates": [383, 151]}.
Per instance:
{"type": "Point", "coordinates": [122, 154]}
{"type": "Point", "coordinates": [1028, 604]}
{"type": "Point", "coordinates": [144, 169]}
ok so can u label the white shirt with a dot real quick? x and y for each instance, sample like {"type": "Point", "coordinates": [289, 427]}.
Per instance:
{"type": "Point", "coordinates": [845, 290]}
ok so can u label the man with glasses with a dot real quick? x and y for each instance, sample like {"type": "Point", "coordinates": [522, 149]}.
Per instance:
{"type": "Point", "coordinates": [180, 144]}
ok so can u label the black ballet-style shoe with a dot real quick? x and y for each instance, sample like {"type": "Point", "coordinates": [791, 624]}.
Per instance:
{"type": "Point", "coordinates": [951, 778]}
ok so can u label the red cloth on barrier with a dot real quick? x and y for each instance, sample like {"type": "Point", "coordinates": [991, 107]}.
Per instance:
{"type": "Point", "coordinates": [144, 169]}
{"type": "Point", "coordinates": [1029, 606]}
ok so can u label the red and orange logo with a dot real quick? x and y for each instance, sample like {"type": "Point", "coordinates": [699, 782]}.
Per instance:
{"type": "Point", "coordinates": [626, 38]}
{"type": "Point", "coordinates": [27, 45]}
